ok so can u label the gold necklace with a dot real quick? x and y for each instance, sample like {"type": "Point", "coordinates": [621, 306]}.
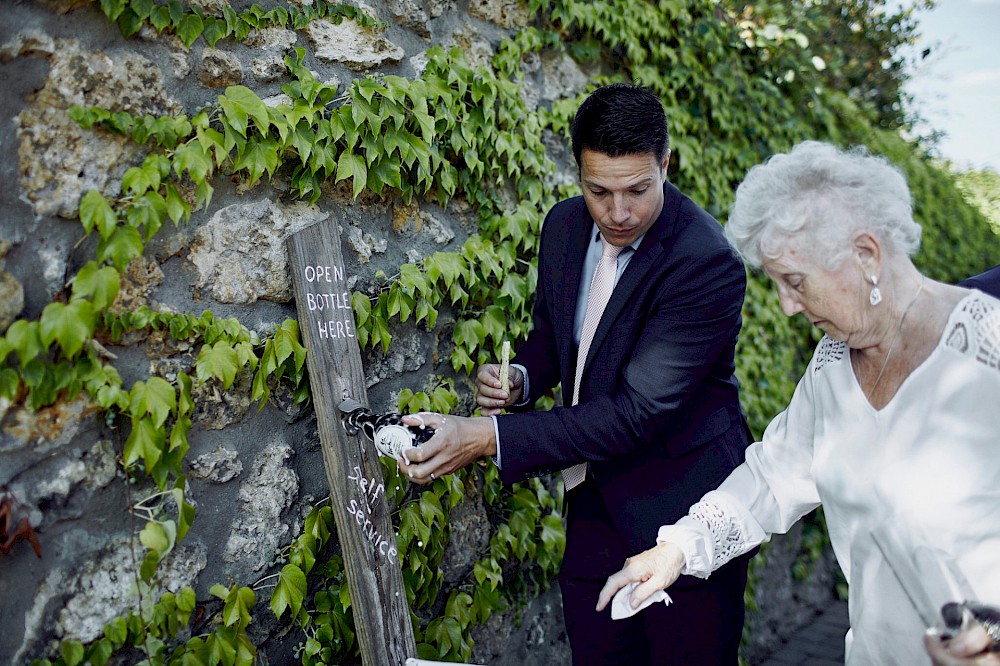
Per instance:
{"type": "Point", "coordinates": [895, 338]}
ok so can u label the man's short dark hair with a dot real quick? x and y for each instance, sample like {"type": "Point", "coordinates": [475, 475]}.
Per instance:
{"type": "Point", "coordinates": [621, 119]}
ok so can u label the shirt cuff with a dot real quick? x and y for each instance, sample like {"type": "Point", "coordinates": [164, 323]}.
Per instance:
{"type": "Point", "coordinates": [524, 392]}
{"type": "Point", "coordinates": [695, 541]}
{"type": "Point", "coordinates": [496, 434]}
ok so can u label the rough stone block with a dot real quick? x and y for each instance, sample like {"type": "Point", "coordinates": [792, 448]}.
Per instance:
{"type": "Point", "coordinates": [353, 45]}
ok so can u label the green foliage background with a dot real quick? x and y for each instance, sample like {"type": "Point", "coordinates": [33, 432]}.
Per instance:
{"type": "Point", "coordinates": [739, 82]}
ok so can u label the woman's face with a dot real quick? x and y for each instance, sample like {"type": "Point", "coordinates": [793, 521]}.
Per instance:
{"type": "Point", "coordinates": [835, 301]}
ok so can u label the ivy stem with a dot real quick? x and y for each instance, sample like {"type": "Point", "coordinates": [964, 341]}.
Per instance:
{"type": "Point", "coordinates": [141, 504]}
{"type": "Point", "coordinates": [135, 564]}
{"type": "Point", "coordinates": [258, 586]}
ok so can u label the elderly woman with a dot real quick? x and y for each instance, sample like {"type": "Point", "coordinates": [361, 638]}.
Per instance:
{"type": "Point", "coordinates": [896, 421]}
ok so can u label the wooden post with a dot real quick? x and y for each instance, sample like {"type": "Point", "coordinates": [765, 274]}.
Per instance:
{"type": "Point", "coordinates": [357, 492]}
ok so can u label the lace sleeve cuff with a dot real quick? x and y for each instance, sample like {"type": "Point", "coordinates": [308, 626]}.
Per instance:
{"type": "Point", "coordinates": [695, 541]}
{"type": "Point", "coordinates": [713, 532]}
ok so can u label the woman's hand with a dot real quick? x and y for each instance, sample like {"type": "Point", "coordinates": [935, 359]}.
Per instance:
{"type": "Point", "coordinates": [490, 396]}
{"type": "Point", "coordinates": [457, 441]}
{"type": "Point", "coordinates": [966, 649]}
{"type": "Point", "coordinates": [656, 569]}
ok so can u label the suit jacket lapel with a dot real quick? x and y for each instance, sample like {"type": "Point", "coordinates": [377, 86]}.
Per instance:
{"type": "Point", "coordinates": [647, 256]}
{"type": "Point", "coordinates": [568, 290]}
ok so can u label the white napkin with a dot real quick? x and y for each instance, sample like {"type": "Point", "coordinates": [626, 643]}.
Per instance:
{"type": "Point", "coordinates": [621, 608]}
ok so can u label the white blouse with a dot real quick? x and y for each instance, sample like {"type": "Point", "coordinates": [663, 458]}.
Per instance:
{"type": "Point", "coordinates": [929, 461]}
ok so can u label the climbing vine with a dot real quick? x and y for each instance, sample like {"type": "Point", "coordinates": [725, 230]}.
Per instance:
{"type": "Point", "coordinates": [734, 88]}
{"type": "Point", "coordinates": [189, 23]}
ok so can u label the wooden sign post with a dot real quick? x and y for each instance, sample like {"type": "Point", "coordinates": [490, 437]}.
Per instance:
{"type": "Point", "coordinates": [357, 492]}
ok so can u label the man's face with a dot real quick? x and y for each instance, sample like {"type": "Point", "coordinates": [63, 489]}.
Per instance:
{"type": "Point", "coordinates": [624, 194]}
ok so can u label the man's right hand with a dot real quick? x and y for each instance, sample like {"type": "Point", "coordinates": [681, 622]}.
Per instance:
{"type": "Point", "coordinates": [492, 399]}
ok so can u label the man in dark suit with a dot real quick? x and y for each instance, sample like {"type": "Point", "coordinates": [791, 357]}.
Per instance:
{"type": "Point", "coordinates": [651, 419]}
{"type": "Point", "coordinates": [987, 282]}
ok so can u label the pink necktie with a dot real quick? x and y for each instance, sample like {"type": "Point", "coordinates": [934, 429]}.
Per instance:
{"type": "Point", "coordinates": [601, 286]}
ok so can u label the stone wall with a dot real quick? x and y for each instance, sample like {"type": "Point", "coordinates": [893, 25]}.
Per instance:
{"type": "Point", "coordinates": [253, 474]}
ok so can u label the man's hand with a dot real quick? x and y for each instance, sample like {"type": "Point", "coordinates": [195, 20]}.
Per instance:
{"type": "Point", "coordinates": [457, 441]}
{"type": "Point", "coordinates": [965, 649]}
{"type": "Point", "coordinates": [656, 569]}
{"type": "Point", "coordinates": [492, 399]}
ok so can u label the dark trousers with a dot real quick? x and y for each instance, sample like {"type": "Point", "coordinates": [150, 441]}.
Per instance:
{"type": "Point", "coordinates": [701, 627]}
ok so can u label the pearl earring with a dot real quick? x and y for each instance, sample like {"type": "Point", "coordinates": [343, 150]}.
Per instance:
{"type": "Point", "coordinates": [875, 297]}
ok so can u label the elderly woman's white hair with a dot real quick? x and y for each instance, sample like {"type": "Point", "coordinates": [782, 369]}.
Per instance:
{"type": "Point", "coordinates": [822, 195]}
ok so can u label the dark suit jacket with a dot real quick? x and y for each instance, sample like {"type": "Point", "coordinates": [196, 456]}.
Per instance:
{"type": "Point", "coordinates": [987, 282]}
{"type": "Point", "coordinates": [659, 419]}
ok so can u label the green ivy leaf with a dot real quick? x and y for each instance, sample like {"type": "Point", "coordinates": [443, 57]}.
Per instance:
{"type": "Point", "coordinates": [160, 17]}
{"type": "Point", "coordinates": [159, 537]}
{"type": "Point", "coordinates": [145, 441]}
{"type": "Point", "coordinates": [447, 265]}
{"type": "Point", "coordinates": [215, 29]}
{"type": "Point", "coordinates": [237, 608]}
{"type": "Point", "coordinates": [99, 284]}
{"type": "Point", "coordinates": [322, 528]}
{"type": "Point", "coordinates": [186, 510]}
{"type": "Point", "coordinates": [147, 212]}
{"type": "Point", "coordinates": [425, 309]}
{"type": "Point", "coordinates": [246, 652]}
{"type": "Point", "coordinates": [177, 208]}
{"type": "Point", "coordinates": [380, 329]}
{"type": "Point", "coordinates": [430, 509]}
{"type": "Point", "coordinates": [362, 307]}
{"type": "Point", "coordinates": [95, 211]}
{"type": "Point", "coordinates": [116, 631]}
{"type": "Point", "coordinates": [193, 158]}
{"type": "Point", "coordinates": [142, 8]}
{"type": "Point", "coordinates": [99, 652]}
{"type": "Point", "coordinates": [112, 8]}
{"type": "Point", "coordinates": [302, 139]}
{"type": "Point", "coordinates": [9, 383]}
{"type": "Point", "coordinates": [459, 606]}
{"type": "Point", "coordinates": [186, 600]}
{"type": "Point", "coordinates": [72, 652]}
{"type": "Point", "coordinates": [285, 345]}
{"type": "Point", "coordinates": [289, 592]}
{"type": "Point", "coordinates": [494, 321]}
{"type": "Point", "coordinates": [189, 27]}
{"type": "Point", "coordinates": [385, 171]}
{"type": "Point", "coordinates": [553, 535]}
{"type": "Point", "coordinates": [257, 158]}
{"type": "Point", "coordinates": [350, 165]}
{"type": "Point", "coordinates": [179, 433]}
{"type": "Point", "coordinates": [154, 397]}
{"type": "Point", "coordinates": [240, 104]}
{"type": "Point", "coordinates": [136, 180]}
{"type": "Point", "coordinates": [515, 289]}
{"type": "Point", "coordinates": [219, 591]}
{"type": "Point", "coordinates": [128, 22]}
{"type": "Point", "coordinates": [220, 361]}
{"type": "Point", "coordinates": [69, 325]}
{"type": "Point", "coordinates": [221, 647]}
{"type": "Point", "coordinates": [469, 334]}
{"type": "Point", "coordinates": [412, 525]}
{"type": "Point", "coordinates": [303, 553]}
{"type": "Point", "coordinates": [461, 361]}
{"type": "Point", "coordinates": [204, 193]}
{"type": "Point", "coordinates": [121, 247]}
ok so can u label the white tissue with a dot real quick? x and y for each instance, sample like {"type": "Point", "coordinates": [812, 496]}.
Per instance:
{"type": "Point", "coordinates": [621, 608]}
